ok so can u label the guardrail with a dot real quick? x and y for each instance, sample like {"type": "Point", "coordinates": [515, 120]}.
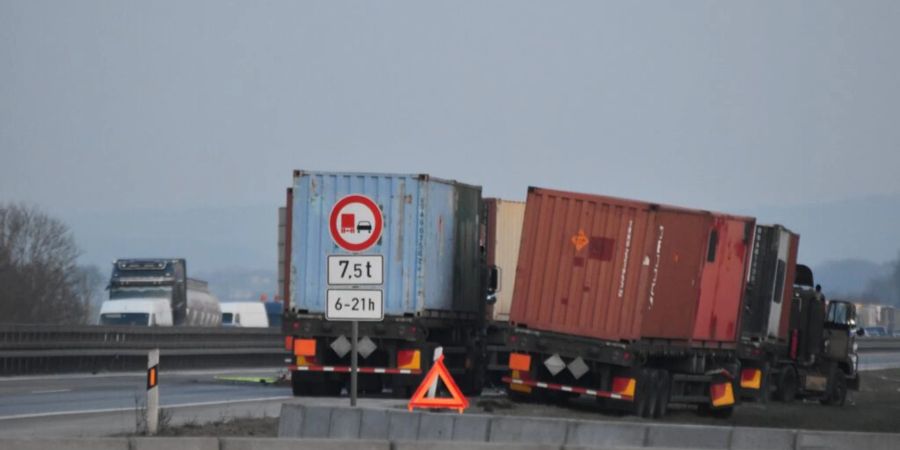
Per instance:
{"type": "Point", "coordinates": [875, 344]}
{"type": "Point", "coordinates": [30, 349]}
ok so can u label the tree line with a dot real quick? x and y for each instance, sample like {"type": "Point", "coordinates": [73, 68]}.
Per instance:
{"type": "Point", "coordinates": [40, 280]}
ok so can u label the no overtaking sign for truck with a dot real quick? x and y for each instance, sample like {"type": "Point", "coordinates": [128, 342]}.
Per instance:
{"type": "Point", "coordinates": [355, 223]}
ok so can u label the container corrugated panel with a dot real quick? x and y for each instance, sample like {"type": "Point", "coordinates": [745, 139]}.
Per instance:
{"type": "Point", "coordinates": [430, 242]}
{"type": "Point", "coordinates": [624, 270]}
{"type": "Point", "coordinates": [504, 236]}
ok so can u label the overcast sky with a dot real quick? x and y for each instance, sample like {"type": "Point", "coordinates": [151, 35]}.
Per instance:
{"type": "Point", "coordinates": [186, 104]}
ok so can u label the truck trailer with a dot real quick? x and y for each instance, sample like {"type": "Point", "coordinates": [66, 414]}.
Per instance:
{"type": "Point", "coordinates": [634, 303]}
{"type": "Point", "coordinates": [157, 292]}
{"type": "Point", "coordinates": [435, 283]}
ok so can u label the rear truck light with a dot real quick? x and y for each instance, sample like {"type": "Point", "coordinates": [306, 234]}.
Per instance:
{"type": "Point", "coordinates": [409, 359]}
{"type": "Point", "coordinates": [751, 378]}
{"type": "Point", "coordinates": [289, 343]}
{"type": "Point", "coordinates": [304, 347]}
{"type": "Point", "coordinates": [306, 361]}
{"type": "Point", "coordinates": [624, 386]}
{"type": "Point", "coordinates": [516, 387]}
{"type": "Point", "coordinates": [295, 325]}
{"type": "Point", "coordinates": [519, 361]}
{"type": "Point", "coordinates": [722, 394]}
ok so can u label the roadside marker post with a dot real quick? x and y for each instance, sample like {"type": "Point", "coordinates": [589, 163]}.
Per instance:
{"type": "Point", "coordinates": [152, 392]}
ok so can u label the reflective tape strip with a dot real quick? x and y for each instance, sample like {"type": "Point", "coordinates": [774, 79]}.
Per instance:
{"type": "Point", "coordinates": [566, 388]}
{"type": "Point", "coordinates": [346, 369]}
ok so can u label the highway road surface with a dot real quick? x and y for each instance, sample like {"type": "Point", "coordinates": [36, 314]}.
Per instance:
{"type": "Point", "coordinates": [99, 405]}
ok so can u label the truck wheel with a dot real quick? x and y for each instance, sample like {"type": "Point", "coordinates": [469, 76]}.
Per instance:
{"type": "Point", "coordinates": [663, 389]}
{"type": "Point", "coordinates": [299, 386]}
{"type": "Point", "coordinates": [719, 413]}
{"type": "Point", "coordinates": [642, 394]}
{"type": "Point", "coordinates": [787, 385]}
{"type": "Point", "coordinates": [837, 394]}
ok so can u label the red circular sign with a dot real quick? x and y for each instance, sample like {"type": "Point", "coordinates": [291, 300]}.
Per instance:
{"type": "Point", "coordinates": [355, 223]}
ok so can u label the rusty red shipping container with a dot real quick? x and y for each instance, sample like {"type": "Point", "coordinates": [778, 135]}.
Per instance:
{"type": "Point", "coordinates": [625, 270]}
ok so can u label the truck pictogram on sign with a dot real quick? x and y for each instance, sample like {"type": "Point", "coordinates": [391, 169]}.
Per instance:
{"type": "Point", "coordinates": [356, 223]}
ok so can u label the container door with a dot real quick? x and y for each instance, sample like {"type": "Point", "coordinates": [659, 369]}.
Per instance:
{"type": "Point", "coordinates": [675, 261]}
{"type": "Point", "coordinates": [722, 288]}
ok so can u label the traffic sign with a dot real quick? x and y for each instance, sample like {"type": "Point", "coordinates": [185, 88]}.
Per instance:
{"type": "Point", "coordinates": [354, 304]}
{"type": "Point", "coordinates": [355, 223]}
{"type": "Point", "coordinates": [355, 270]}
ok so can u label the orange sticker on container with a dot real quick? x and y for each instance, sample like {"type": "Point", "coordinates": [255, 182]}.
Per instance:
{"type": "Point", "coordinates": [580, 240]}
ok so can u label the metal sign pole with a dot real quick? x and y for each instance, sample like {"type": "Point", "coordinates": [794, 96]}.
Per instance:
{"type": "Point", "coordinates": [353, 362]}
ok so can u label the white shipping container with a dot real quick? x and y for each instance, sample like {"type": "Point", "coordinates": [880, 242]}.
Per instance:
{"type": "Point", "coordinates": [504, 235]}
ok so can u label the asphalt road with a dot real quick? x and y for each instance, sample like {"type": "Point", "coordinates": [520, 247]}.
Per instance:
{"type": "Point", "coordinates": [75, 405]}
{"type": "Point", "coordinates": [59, 394]}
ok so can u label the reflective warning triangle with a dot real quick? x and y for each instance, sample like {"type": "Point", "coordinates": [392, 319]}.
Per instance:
{"type": "Point", "coordinates": [419, 400]}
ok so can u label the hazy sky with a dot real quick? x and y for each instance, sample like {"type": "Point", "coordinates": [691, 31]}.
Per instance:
{"type": "Point", "coordinates": [121, 105]}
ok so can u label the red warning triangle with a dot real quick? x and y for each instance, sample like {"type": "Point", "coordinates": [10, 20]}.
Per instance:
{"type": "Point", "coordinates": [458, 401]}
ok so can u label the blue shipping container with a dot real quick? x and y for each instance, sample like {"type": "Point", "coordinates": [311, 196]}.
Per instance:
{"type": "Point", "coordinates": [430, 242]}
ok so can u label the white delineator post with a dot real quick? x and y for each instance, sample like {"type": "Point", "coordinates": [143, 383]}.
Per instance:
{"type": "Point", "coordinates": [152, 391]}
{"type": "Point", "coordinates": [432, 390]}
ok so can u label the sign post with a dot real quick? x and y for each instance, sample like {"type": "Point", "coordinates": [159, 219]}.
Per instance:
{"type": "Point", "coordinates": [354, 364]}
{"type": "Point", "coordinates": [355, 224]}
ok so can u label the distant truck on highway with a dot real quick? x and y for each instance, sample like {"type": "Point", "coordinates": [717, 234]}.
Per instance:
{"type": "Point", "coordinates": [244, 315]}
{"type": "Point", "coordinates": [157, 292]}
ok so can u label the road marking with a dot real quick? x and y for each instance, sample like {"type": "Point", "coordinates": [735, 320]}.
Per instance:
{"type": "Point", "coordinates": [109, 410]}
{"type": "Point", "coordinates": [50, 391]}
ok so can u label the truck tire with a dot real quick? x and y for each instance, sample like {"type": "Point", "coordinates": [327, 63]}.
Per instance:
{"type": "Point", "coordinates": [663, 386]}
{"type": "Point", "coordinates": [643, 394]}
{"type": "Point", "coordinates": [717, 413]}
{"type": "Point", "coordinates": [299, 386]}
{"type": "Point", "coordinates": [837, 391]}
{"type": "Point", "coordinates": [787, 385]}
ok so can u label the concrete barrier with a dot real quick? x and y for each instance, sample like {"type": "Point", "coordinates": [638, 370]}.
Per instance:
{"type": "Point", "coordinates": [300, 444]}
{"type": "Point", "coordinates": [743, 438]}
{"type": "Point", "coordinates": [471, 428]}
{"type": "Point", "coordinates": [606, 434]}
{"type": "Point", "coordinates": [688, 436]}
{"type": "Point", "coordinates": [345, 423]}
{"type": "Point", "coordinates": [374, 425]}
{"type": "Point", "coordinates": [405, 428]}
{"type": "Point", "coordinates": [403, 425]}
{"type": "Point", "coordinates": [172, 443]}
{"type": "Point", "coordinates": [850, 440]}
{"type": "Point", "coordinates": [65, 444]}
{"type": "Point", "coordinates": [527, 430]}
{"type": "Point", "coordinates": [445, 445]}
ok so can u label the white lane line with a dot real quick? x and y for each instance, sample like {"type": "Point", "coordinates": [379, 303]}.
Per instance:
{"type": "Point", "coordinates": [108, 410]}
{"type": "Point", "coordinates": [51, 391]}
